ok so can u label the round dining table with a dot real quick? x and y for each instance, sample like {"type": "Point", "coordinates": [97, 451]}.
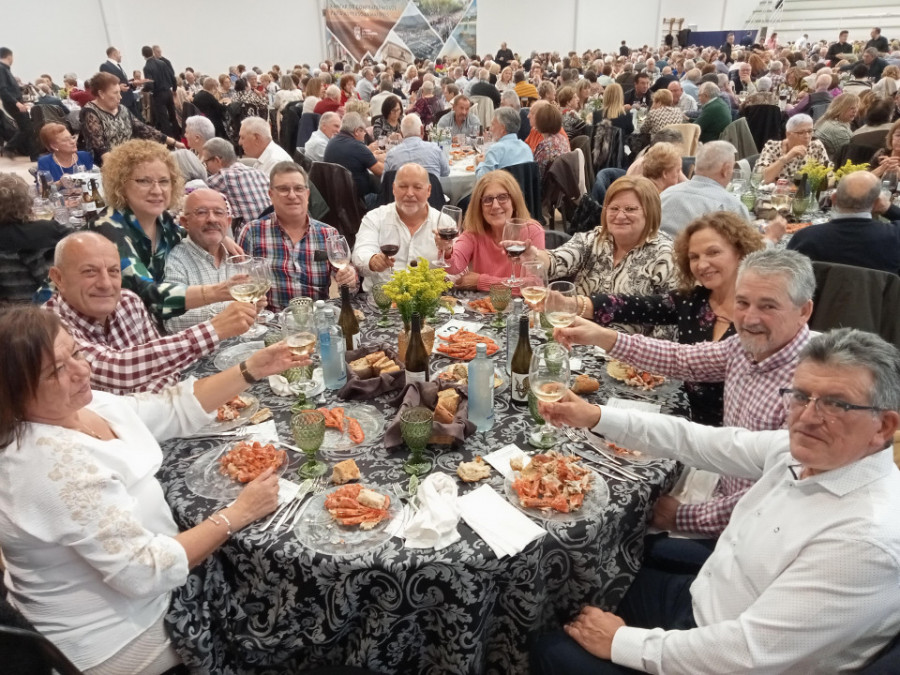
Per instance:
{"type": "Point", "coordinates": [265, 603]}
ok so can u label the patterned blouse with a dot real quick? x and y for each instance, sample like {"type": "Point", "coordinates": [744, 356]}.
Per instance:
{"type": "Point", "coordinates": [549, 149]}
{"type": "Point", "coordinates": [102, 131]}
{"type": "Point", "coordinates": [381, 127]}
{"type": "Point", "coordinates": [695, 320]}
{"type": "Point", "coordinates": [772, 151]}
{"type": "Point", "coordinates": [657, 118]}
{"type": "Point", "coordinates": [645, 270]}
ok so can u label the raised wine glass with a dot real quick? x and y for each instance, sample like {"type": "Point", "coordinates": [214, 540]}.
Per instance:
{"type": "Point", "coordinates": [300, 336]}
{"type": "Point", "coordinates": [534, 286]}
{"type": "Point", "coordinates": [308, 430]}
{"type": "Point", "coordinates": [389, 242]}
{"type": "Point", "coordinates": [338, 251]}
{"type": "Point", "coordinates": [561, 303]}
{"type": "Point", "coordinates": [548, 376]}
{"type": "Point", "coordinates": [246, 276]}
{"type": "Point", "coordinates": [513, 233]}
{"type": "Point", "coordinates": [543, 436]}
{"type": "Point", "coordinates": [448, 230]}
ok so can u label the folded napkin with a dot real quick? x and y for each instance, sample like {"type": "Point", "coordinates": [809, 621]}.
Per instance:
{"type": "Point", "coordinates": [503, 527]}
{"type": "Point", "coordinates": [434, 524]}
{"type": "Point", "coordinates": [359, 389]}
{"type": "Point", "coordinates": [425, 394]}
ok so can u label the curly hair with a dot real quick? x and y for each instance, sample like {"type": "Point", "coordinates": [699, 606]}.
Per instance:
{"type": "Point", "coordinates": [660, 158]}
{"type": "Point", "coordinates": [15, 200]}
{"type": "Point", "coordinates": [647, 195]}
{"type": "Point", "coordinates": [739, 234]}
{"type": "Point", "coordinates": [119, 167]}
{"type": "Point", "coordinates": [474, 221]}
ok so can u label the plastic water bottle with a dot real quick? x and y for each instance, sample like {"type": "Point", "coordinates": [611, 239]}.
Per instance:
{"type": "Point", "coordinates": [512, 331]}
{"type": "Point", "coordinates": [331, 350]}
{"type": "Point", "coordinates": [481, 389]}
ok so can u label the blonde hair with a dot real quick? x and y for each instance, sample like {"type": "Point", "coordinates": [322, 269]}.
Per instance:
{"type": "Point", "coordinates": [648, 196]}
{"type": "Point", "coordinates": [838, 107]}
{"type": "Point", "coordinates": [613, 101]}
{"type": "Point", "coordinates": [119, 167]}
{"type": "Point", "coordinates": [474, 221]}
{"type": "Point", "coordinates": [663, 96]}
{"type": "Point", "coordinates": [660, 158]}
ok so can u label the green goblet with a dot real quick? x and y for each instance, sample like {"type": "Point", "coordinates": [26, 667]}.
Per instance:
{"type": "Point", "coordinates": [383, 302]}
{"type": "Point", "coordinates": [543, 437]}
{"type": "Point", "coordinates": [501, 294]}
{"type": "Point", "coordinates": [308, 429]}
{"type": "Point", "coordinates": [415, 428]}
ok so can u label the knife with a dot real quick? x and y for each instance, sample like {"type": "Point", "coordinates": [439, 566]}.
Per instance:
{"type": "Point", "coordinates": [596, 458]}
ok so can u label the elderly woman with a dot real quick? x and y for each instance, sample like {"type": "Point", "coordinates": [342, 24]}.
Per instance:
{"type": "Point", "coordinates": [226, 88]}
{"type": "Point", "coordinates": [887, 160]}
{"type": "Point", "coordinates": [569, 105]}
{"type": "Point", "coordinates": [347, 83]}
{"type": "Point", "coordinates": [389, 121]}
{"type": "Point", "coordinates": [626, 254]}
{"type": "Point", "coordinates": [661, 164]}
{"type": "Point", "coordinates": [548, 123]}
{"type": "Point", "coordinates": [782, 159]}
{"type": "Point", "coordinates": [427, 105]}
{"type": "Point", "coordinates": [26, 245]}
{"type": "Point", "coordinates": [662, 113]}
{"type": "Point", "coordinates": [477, 253]}
{"type": "Point", "coordinates": [63, 156]}
{"type": "Point", "coordinates": [92, 551]}
{"type": "Point", "coordinates": [707, 254]}
{"type": "Point", "coordinates": [833, 128]}
{"type": "Point", "coordinates": [105, 124]}
{"type": "Point", "coordinates": [763, 94]}
{"type": "Point", "coordinates": [142, 183]}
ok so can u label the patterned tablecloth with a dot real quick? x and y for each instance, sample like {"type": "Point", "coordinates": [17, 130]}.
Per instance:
{"type": "Point", "coordinates": [267, 604]}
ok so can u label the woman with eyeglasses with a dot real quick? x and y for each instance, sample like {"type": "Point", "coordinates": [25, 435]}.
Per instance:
{"type": "Point", "coordinates": [477, 254]}
{"type": "Point", "coordinates": [782, 159]}
{"type": "Point", "coordinates": [141, 183]}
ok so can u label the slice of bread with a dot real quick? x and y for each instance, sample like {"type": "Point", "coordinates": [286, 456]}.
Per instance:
{"type": "Point", "coordinates": [374, 357]}
{"type": "Point", "coordinates": [344, 472]}
{"type": "Point", "coordinates": [361, 368]}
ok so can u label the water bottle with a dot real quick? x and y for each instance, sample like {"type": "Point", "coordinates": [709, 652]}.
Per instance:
{"type": "Point", "coordinates": [481, 389]}
{"type": "Point", "coordinates": [512, 331]}
{"type": "Point", "coordinates": [60, 212]}
{"type": "Point", "coordinates": [331, 351]}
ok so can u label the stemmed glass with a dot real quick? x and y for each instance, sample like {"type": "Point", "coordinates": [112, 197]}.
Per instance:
{"type": "Point", "coordinates": [561, 303]}
{"type": "Point", "coordinates": [415, 428]}
{"type": "Point", "coordinates": [756, 177]}
{"type": "Point", "coordinates": [383, 302]}
{"type": "Point", "coordinates": [300, 337]}
{"type": "Point", "coordinates": [515, 247]}
{"type": "Point", "coordinates": [543, 437]}
{"type": "Point", "coordinates": [501, 294]}
{"type": "Point", "coordinates": [250, 281]}
{"type": "Point", "coordinates": [548, 376]}
{"type": "Point", "coordinates": [308, 430]}
{"type": "Point", "coordinates": [389, 241]}
{"type": "Point", "coordinates": [534, 286]}
{"type": "Point", "coordinates": [448, 230]}
{"type": "Point", "coordinates": [338, 251]}
{"type": "Point", "coordinates": [800, 205]}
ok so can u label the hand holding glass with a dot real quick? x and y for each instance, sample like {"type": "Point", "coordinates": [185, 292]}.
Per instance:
{"type": "Point", "coordinates": [513, 233]}
{"type": "Point", "coordinates": [448, 230]}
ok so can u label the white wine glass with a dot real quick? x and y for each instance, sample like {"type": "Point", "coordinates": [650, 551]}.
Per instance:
{"type": "Point", "coordinates": [448, 230]}
{"type": "Point", "coordinates": [246, 285]}
{"type": "Point", "coordinates": [549, 372]}
{"type": "Point", "coordinates": [338, 251]}
{"type": "Point", "coordinates": [561, 303]}
{"type": "Point", "coordinates": [389, 242]}
{"type": "Point", "coordinates": [533, 286]}
{"type": "Point", "coordinates": [513, 233]}
{"type": "Point", "coordinates": [300, 337]}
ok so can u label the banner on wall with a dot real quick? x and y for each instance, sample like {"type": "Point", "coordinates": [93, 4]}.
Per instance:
{"type": "Point", "coordinates": [399, 31]}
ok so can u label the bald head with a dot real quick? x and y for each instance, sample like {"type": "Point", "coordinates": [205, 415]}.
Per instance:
{"type": "Point", "coordinates": [87, 274]}
{"type": "Point", "coordinates": [675, 88]}
{"type": "Point", "coordinates": [857, 193]}
{"type": "Point", "coordinates": [411, 191]}
{"type": "Point", "coordinates": [69, 248]}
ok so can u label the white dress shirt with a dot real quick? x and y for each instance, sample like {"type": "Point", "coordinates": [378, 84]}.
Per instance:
{"type": "Point", "coordinates": [805, 577]}
{"type": "Point", "coordinates": [273, 154]}
{"type": "Point", "coordinates": [315, 146]}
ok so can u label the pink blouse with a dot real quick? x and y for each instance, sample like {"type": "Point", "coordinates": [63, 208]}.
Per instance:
{"type": "Point", "coordinates": [481, 254]}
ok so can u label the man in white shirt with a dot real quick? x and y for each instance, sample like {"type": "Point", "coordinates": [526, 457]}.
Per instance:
{"type": "Point", "coordinates": [680, 99]}
{"type": "Point", "coordinates": [413, 219]}
{"type": "Point", "coordinates": [256, 140]}
{"type": "Point", "coordinates": [413, 149]}
{"type": "Point", "coordinates": [329, 125]}
{"type": "Point", "coordinates": [804, 578]}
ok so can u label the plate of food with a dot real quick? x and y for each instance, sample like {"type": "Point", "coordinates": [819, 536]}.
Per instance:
{"type": "Point", "coordinates": [461, 344]}
{"type": "Point", "coordinates": [458, 373]}
{"type": "Point", "coordinates": [232, 414]}
{"type": "Point", "coordinates": [556, 488]}
{"type": "Point", "coordinates": [349, 520]}
{"type": "Point", "coordinates": [233, 355]}
{"type": "Point", "coordinates": [223, 472]}
{"type": "Point", "coordinates": [630, 379]}
{"type": "Point", "coordinates": [481, 305]}
{"type": "Point", "coordinates": [349, 429]}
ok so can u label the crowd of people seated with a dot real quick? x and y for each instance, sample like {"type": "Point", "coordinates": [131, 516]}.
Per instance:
{"type": "Point", "coordinates": [671, 275]}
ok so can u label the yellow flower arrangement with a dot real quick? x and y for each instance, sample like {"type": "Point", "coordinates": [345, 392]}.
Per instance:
{"type": "Point", "coordinates": [849, 168]}
{"type": "Point", "coordinates": [816, 174]}
{"type": "Point", "coordinates": [417, 289]}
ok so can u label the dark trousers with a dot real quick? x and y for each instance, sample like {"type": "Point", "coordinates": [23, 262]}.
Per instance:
{"type": "Point", "coordinates": [655, 600]}
{"type": "Point", "coordinates": [23, 141]}
{"type": "Point", "coordinates": [162, 106]}
{"type": "Point", "coordinates": [680, 556]}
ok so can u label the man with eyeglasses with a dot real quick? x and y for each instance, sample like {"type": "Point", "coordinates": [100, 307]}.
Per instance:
{"type": "Point", "coordinates": [348, 149]}
{"type": "Point", "coordinates": [804, 578]}
{"type": "Point", "coordinates": [245, 188]}
{"type": "Point", "coordinates": [292, 242]}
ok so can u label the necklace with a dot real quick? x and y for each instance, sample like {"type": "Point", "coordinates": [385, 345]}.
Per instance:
{"type": "Point", "coordinates": [73, 160]}
{"type": "Point", "coordinates": [85, 430]}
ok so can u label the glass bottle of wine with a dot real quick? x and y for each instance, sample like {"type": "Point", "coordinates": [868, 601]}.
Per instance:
{"type": "Point", "coordinates": [347, 320]}
{"type": "Point", "coordinates": [416, 355]}
{"type": "Point", "coordinates": [521, 363]}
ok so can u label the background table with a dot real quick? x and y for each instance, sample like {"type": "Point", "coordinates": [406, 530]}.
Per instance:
{"type": "Point", "coordinates": [266, 604]}
{"type": "Point", "coordinates": [461, 181]}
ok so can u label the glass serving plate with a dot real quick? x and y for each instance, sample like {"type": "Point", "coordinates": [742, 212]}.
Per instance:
{"type": "Point", "coordinates": [204, 479]}
{"type": "Point", "coordinates": [319, 531]}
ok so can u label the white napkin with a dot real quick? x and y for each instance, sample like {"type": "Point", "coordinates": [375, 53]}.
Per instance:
{"type": "Point", "coordinates": [504, 528]}
{"type": "Point", "coordinates": [266, 432]}
{"type": "Point", "coordinates": [434, 524]}
{"type": "Point", "coordinates": [499, 459]}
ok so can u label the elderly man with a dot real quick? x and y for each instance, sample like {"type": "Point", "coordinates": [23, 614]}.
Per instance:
{"type": "Point", "coordinates": [705, 192]}
{"type": "Point", "coordinates": [773, 302]}
{"type": "Point", "coordinates": [820, 98]}
{"type": "Point", "coordinates": [742, 80]}
{"type": "Point", "coordinates": [197, 130]}
{"type": "Point", "coordinates": [245, 188]}
{"type": "Point", "coordinates": [483, 87]}
{"type": "Point", "coordinates": [112, 327]}
{"type": "Point", "coordinates": [209, 106]}
{"type": "Point", "coordinates": [853, 237]}
{"type": "Point", "coordinates": [385, 89]}
{"type": "Point", "coordinates": [365, 86]}
{"type": "Point", "coordinates": [715, 113]}
{"type": "Point", "coordinates": [681, 99]}
{"type": "Point", "coordinates": [329, 126]}
{"type": "Point", "coordinates": [256, 140]}
{"type": "Point", "coordinates": [331, 100]}
{"type": "Point", "coordinates": [348, 149]}
{"type": "Point", "coordinates": [507, 149]}
{"type": "Point", "coordinates": [461, 120]}
{"type": "Point", "coordinates": [691, 83]}
{"type": "Point", "coordinates": [804, 578]}
{"type": "Point", "coordinates": [875, 63]}
{"type": "Point", "coordinates": [292, 242]}
{"type": "Point", "coordinates": [523, 88]}
{"type": "Point", "coordinates": [411, 216]}
{"type": "Point", "coordinates": [414, 150]}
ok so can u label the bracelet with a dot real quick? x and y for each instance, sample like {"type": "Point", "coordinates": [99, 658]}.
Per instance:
{"type": "Point", "coordinates": [227, 523]}
{"type": "Point", "coordinates": [248, 378]}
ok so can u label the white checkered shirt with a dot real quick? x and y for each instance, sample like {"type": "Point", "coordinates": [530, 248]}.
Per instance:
{"type": "Point", "coordinates": [191, 265]}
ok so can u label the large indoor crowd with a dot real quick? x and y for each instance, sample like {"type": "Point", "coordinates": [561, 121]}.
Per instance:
{"type": "Point", "coordinates": [789, 564]}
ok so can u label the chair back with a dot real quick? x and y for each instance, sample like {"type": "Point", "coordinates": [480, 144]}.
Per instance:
{"type": "Point", "coordinates": [888, 660]}
{"type": "Point", "coordinates": [345, 210]}
{"type": "Point", "coordinates": [738, 134]}
{"type": "Point", "coordinates": [765, 123]}
{"type": "Point", "coordinates": [301, 158]}
{"type": "Point", "coordinates": [528, 176]}
{"type": "Point", "coordinates": [690, 137]}
{"type": "Point", "coordinates": [309, 122]}
{"type": "Point", "coordinates": [555, 238]}
{"type": "Point", "coordinates": [484, 108]}
{"type": "Point", "coordinates": [583, 143]}
{"type": "Point", "coordinates": [24, 650]}
{"type": "Point", "coordinates": [436, 200]}
{"type": "Point", "coordinates": [290, 122]}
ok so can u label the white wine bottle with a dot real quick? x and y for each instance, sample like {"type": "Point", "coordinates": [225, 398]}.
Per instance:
{"type": "Point", "coordinates": [521, 363]}
{"type": "Point", "coordinates": [347, 320]}
{"type": "Point", "coordinates": [416, 356]}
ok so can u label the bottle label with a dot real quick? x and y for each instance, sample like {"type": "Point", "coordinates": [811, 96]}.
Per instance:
{"type": "Point", "coordinates": [416, 376]}
{"type": "Point", "coordinates": [355, 340]}
{"type": "Point", "coordinates": [90, 206]}
{"type": "Point", "coordinates": [519, 388]}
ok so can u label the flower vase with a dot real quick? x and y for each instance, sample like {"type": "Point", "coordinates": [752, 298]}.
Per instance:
{"type": "Point", "coordinates": [403, 340]}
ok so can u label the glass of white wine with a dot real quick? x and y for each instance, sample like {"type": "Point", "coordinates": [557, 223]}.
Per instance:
{"type": "Point", "coordinates": [338, 251]}
{"type": "Point", "coordinates": [300, 336]}
{"type": "Point", "coordinates": [249, 283]}
{"type": "Point", "coordinates": [533, 286]}
{"type": "Point", "coordinates": [549, 373]}
{"type": "Point", "coordinates": [561, 303]}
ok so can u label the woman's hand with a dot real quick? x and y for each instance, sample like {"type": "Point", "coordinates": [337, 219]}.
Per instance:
{"type": "Point", "coordinates": [795, 152]}
{"type": "Point", "coordinates": [584, 332]}
{"type": "Point", "coordinates": [571, 410]}
{"type": "Point", "coordinates": [257, 499]}
{"type": "Point", "coordinates": [468, 281]}
{"type": "Point", "coordinates": [273, 360]}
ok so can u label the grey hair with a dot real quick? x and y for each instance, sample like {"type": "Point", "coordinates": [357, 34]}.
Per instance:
{"type": "Point", "coordinates": [871, 51]}
{"type": "Point", "coordinates": [352, 121]}
{"type": "Point", "coordinates": [764, 83]}
{"type": "Point", "coordinates": [333, 92]}
{"type": "Point", "coordinates": [59, 253]}
{"type": "Point", "coordinates": [510, 98]}
{"type": "Point", "coordinates": [428, 86]}
{"type": "Point", "coordinates": [851, 195]}
{"type": "Point", "coordinates": [795, 267]}
{"type": "Point", "coordinates": [257, 125]}
{"type": "Point", "coordinates": [709, 89]}
{"type": "Point", "coordinates": [70, 77]}
{"type": "Point", "coordinates": [411, 125]}
{"type": "Point", "coordinates": [509, 118]}
{"type": "Point", "coordinates": [189, 165]}
{"type": "Point", "coordinates": [326, 119]}
{"type": "Point", "coordinates": [219, 147]}
{"type": "Point", "coordinates": [667, 135]}
{"type": "Point", "coordinates": [776, 65]}
{"type": "Point", "coordinates": [713, 154]}
{"type": "Point", "coordinates": [852, 348]}
{"type": "Point", "coordinates": [797, 120]}
{"type": "Point", "coordinates": [201, 125]}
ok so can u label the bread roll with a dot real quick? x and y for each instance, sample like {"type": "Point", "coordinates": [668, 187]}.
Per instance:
{"type": "Point", "coordinates": [344, 472]}
{"type": "Point", "coordinates": [585, 385]}
{"type": "Point", "coordinates": [371, 499]}
{"type": "Point", "coordinates": [362, 368]}
{"type": "Point", "coordinates": [447, 405]}
{"type": "Point", "coordinates": [381, 364]}
{"type": "Point", "coordinates": [374, 357]}
{"type": "Point", "coordinates": [393, 368]}
{"type": "Point", "coordinates": [470, 472]}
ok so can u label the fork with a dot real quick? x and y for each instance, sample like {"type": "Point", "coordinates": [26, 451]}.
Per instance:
{"type": "Point", "coordinates": [609, 469]}
{"type": "Point", "coordinates": [297, 502]}
{"type": "Point", "coordinates": [321, 486]}
{"type": "Point", "coordinates": [305, 486]}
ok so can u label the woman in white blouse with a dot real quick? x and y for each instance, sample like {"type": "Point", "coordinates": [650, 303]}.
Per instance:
{"type": "Point", "coordinates": [91, 548]}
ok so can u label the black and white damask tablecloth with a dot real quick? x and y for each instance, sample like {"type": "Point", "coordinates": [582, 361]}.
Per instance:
{"type": "Point", "coordinates": [264, 603]}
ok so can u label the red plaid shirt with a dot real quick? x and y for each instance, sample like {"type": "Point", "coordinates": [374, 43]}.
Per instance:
{"type": "Point", "coordinates": [752, 401]}
{"type": "Point", "coordinates": [246, 188]}
{"type": "Point", "coordinates": [127, 354]}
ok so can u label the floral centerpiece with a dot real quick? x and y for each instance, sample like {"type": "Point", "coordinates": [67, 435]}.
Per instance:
{"type": "Point", "coordinates": [816, 173]}
{"type": "Point", "coordinates": [848, 167]}
{"type": "Point", "coordinates": [417, 289]}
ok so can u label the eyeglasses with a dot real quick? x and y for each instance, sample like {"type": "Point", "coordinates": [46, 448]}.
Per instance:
{"type": "Point", "coordinates": [206, 161]}
{"type": "Point", "coordinates": [285, 190]}
{"type": "Point", "coordinates": [148, 183]}
{"type": "Point", "coordinates": [802, 132]}
{"type": "Point", "coordinates": [202, 212]}
{"type": "Point", "coordinates": [629, 211]}
{"type": "Point", "coordinates": [502, 199]}
{"type": "Point", "coordinates": [827, 407]}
